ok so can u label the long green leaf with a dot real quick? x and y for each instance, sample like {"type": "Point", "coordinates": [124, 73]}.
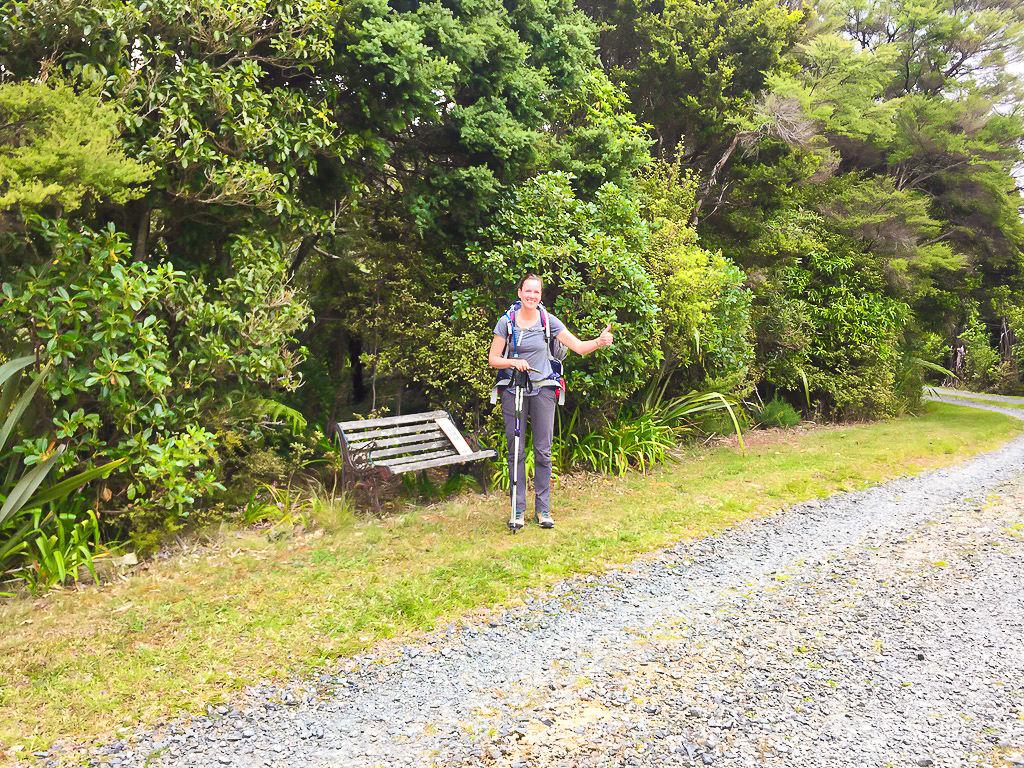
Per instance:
{"type": "Point", "coordinates": [278, 411]}
{"type": "Point", "coordinates": [735, 423]}
{"type": "Point", "coordinates": [23, 403]}
{"type": "Point", "coordinates": [935, 367]}
{"type": "Point", "coordinates": [807, 388]}
{"type": "Point", "coordinates": [11, 367]}
{"type": "Point", "coordinates": [21, 494]}
{"type": "Point", "coordinates": [16, 542]}
{"type": "Point", "coordinates": [68, 485]}
{"type": "Point", "coordinates": [10, 374]}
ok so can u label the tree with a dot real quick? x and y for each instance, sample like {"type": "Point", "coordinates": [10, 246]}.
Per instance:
{"type": "Point", "coordinates": [45, 167]}
{"type": "Point", "coordinates": [493, 98]}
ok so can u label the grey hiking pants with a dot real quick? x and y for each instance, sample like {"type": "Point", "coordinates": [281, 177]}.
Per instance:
{"type": "Point", "coordinates": [539, 411]}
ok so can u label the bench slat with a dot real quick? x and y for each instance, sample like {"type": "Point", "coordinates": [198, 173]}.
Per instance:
{"type": "Point", "coordinates": [386, 442]}
{"type": "Point", "coordinates": [389, 421]}
{"type": "Point", "coordinates": [453, 434]}
{"type": "Point", "coordinates": [417, 448]}
{"type": "Point", "coordinates": [365, 437]}
{"type": "Point", "coordinates": [393, 464]}
{"type": "Point", "coordinates": [441, 461]}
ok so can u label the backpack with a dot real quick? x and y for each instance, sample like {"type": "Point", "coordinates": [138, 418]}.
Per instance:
{"type": "Point", "coordinates": [557, 352]}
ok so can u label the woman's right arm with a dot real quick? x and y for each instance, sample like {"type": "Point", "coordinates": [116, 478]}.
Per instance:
{"type": "Point", "coordinates": [495, 359]}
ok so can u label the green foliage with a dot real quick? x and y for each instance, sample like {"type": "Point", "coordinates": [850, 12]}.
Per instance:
{"type": "Point", "coordinates": [644, 432]}
{"type": "Point", "coordinates": [628, 442]}
{"type": "Point", "coordinates": [588, 253]}
{"type": "Point", "coordinates": [600, 139]}
{"type": "Point", "coordinates": [778, 413]}
{"type": "Point", "coordinates": [943, 118]}
{"type": "Point", "coordinates": [704, 306]}
{"type": "Point", "coordinates": [838, 84]}
{"type": "Point", "coordinates": [45, 534]}
{"type": "Point", "coordinates": [464, 106]}
{"type": "Point", "coordinates": [692, 68]}
{"type": "Point", "coordinates": [57, 147]}
{"type": "Point", "coordinates": [936, 46]}
{"type": "Point", "coordinates": [144, 358]}
{"type": "Point", "coordinates": [982, 359]}
{"type": "Point", "coordinates": [57, 547]}
{"type": "Point", "coordinates": [160, 313]}
{"type": "Point", "coordinates": [829, 321]}
{"type": "Point", "coordinates": [220, 110]}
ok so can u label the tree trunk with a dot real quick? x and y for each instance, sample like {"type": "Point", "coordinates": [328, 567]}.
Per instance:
{"type": "Point", "coordinates": [301, 253]}
{"type": "Point", "coordinates": [355, 351]}
{"type": "Point", "coordinates": [142, 232]}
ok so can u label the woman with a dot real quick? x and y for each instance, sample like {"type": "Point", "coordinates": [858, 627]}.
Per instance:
{"type": "Point", "coordinates": [527, 351]}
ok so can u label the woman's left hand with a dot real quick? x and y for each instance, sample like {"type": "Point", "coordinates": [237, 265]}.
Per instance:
{"type": "Point", "coordinates": [606, 338]}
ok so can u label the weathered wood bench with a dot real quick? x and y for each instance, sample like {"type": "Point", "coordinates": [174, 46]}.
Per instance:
{"type": "Point", "coordinates": [393, 445]}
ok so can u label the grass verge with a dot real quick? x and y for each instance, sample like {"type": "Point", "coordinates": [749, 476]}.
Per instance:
{"type": "Point", "coordinates": [981, 397]}
{"type": "Point", "coordinates": [75, 666]}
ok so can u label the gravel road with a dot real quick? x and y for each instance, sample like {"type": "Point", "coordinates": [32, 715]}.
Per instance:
{"type": "Point", "coordinates": [882, 627]}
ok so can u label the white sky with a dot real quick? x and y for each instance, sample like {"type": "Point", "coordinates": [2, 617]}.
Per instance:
{"type": "Point", "coordinates": [1017, 67]}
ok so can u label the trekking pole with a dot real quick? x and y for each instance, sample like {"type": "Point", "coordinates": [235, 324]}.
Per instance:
{"type": "Point", "coordinates": [521, 383]}
{"type": "Point", "coordinates": [515, 523]}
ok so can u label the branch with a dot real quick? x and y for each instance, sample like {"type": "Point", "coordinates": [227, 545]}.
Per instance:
{"type": "Point", "coordinates": [713, 177]}
{"type": "Point", "coordinates": [934, 240]}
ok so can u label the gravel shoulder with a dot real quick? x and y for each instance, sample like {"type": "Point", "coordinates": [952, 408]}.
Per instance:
{"type": "Point", "coordinates": [882, 627]}
{"type": "Point", "coordinates": [946, 392]}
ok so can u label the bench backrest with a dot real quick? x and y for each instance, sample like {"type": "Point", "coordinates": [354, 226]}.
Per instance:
{"type": "Point", "coordinates": [404, 443]}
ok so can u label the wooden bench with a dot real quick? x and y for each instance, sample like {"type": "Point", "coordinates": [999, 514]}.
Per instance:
{"type": "Point", "coordinates": [380, 448]}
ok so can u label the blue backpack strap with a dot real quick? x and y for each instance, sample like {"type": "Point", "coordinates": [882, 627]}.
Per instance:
{"type": "Point", "coordinates": [510, 318]}
{"type": "Point", "coordinates": [504, 375]}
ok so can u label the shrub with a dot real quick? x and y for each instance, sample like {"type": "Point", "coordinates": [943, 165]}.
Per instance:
{"type": "Point", "coordinates": [148, 363]}
{"type": "Point", "coordinates": [981, 360]}
{"type": "Point", "coordinates": [588, 254]}
{"type": "Point", "coordinates": [778, 413]}
{"type": "Point", "coordinates": [627, 442]}
{"type": "Point", "coordinates": [703, 303]}
{"type": "Point", "coordinates": [47, 531]}
{"type": "Point", "coordinates": [826, 316]}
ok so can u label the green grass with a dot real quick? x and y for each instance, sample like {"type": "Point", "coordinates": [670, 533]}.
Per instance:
{"type": "Point", "coordinates": [178, 635]}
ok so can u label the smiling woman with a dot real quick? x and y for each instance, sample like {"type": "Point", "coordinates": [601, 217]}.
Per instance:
{"type": "Point", "coordinates": [522, 347]}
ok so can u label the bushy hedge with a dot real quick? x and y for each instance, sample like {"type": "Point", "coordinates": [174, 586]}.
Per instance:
{"type": "Point", "coordinates": [148, 363]}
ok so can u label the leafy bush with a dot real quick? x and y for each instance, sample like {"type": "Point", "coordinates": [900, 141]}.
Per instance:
{"type": "Point", "coordinates": [644, 432]}
{"type": "Point", "coordinates": [778, 413]}
{"type": "Point", "coordinates": [46, 532]}
{"type": "Point", "coordinates": [587, 252]}
{"type": "Point", "coordinates": [981, 360]}
{"type": "Point", "coordinates": [628, 442]}
{"type": "Point", "coordinates": [148, 362]}
{"type": "Point", "coordinates": [827, 317]}
{"type": "Point", "coordinates": [42, 167]}
{"type": "Point", "coordinates": [703, 303]}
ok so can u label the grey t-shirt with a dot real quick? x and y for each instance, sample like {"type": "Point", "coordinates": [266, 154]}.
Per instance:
{"type": "Point", "coordinates": [529, 343]}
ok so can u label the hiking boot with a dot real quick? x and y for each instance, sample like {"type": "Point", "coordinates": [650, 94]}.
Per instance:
{"type": "Point", "coordinates": [544, 520]}
{"type": "Point", "coordinates": [518, 520]}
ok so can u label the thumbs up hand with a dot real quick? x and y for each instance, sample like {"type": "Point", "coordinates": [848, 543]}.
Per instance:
{"type": "Point", "coordinates": [606, 338]}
